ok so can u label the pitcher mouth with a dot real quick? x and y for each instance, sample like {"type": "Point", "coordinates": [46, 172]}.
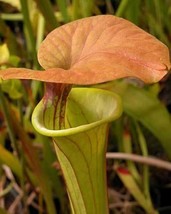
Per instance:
{"type": "Point", "coordinates": [39, 125]}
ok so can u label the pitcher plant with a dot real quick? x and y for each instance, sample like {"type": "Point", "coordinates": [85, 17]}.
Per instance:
{"type": "Point", "coordinates": [86, 52]}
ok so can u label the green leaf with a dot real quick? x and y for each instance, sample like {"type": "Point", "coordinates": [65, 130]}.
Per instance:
{"type": "Point", "coordinates": [135, 190]}
{"type": "Point", "coordinates": [10, 160]}
{"type": "Point", "coordinates": [33, 162]}
{"type": "Point", "coordinates": [12, 88]}
{"type": "Point", "coordinates": [14, 60]}
{"type": "Point", "coordinates": [46, 9]}
{"type": "Point", "coordinates": [146, 108]}
{"type": "Point", "coordinates": [62, 4]}
{"type": "Point", "coordinates": [81, 144]}
{"type": "Point", "coordinates": [4, 54]}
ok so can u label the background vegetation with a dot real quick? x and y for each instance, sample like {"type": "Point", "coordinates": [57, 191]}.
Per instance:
{"type": "Point", "coordinates": [30, 177]}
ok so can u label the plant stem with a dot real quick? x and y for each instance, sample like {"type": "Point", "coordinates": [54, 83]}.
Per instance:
{"type": "Point", "coordinates": [122, 7]}
{"type": "Point", "coordinates": [48, 13]}
{"type": "Point", "coordinates": [33, 162]}
{"type": "Point", "coordinates": [29, 30]}
{"type": "Point", "coordinates": [87, 7]}
{"type": "Point", "coordinates": [40, 30]}
{"type": "Point", "coordinates": [140, 159]}
{"type": "Point", "coordinates": [12, 17]}
{"type": "Point", "coordinates": [75, 11]}
{"type": "Point", "coordinates": [127, 148]}
{"type": "Point", "coordinates": [8, 121]}
{"type": "Point", "coordinates": [63, 9]}
{"type": "Point", "coordinates": [145, 173]}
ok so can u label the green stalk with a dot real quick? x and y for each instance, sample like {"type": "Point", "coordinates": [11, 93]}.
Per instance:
{"type": "Point", "coordinates": [34, 163]}
{"type": "Point", "coordinates": [127, 146]}
{"type": "Point", "coordinates": [8, 121]}
{"type": "Point", "coordinates": [62, 4]}
{"type": "Point", "coordinates": [157, 30]}
{"type": "Point", "coordinates": [76, 12]}
{"type": "Point", "coordinates": [13, 140]}
{"type": "Point", "coordinates": [35, 85]}
{"type": "Point", "coordinates": [135, 190]}
{"type": "Point", "coordinates": [40, 30]}
{"type": "Point", "coordinates": [29, 30]}
{"type": "Point", "coordinates": [23, 162]}
{"type": "Point", "coordinates": [48, 13]}
{"type": "Point", "coordinates": [12, 17]}
{"type": "Point", "coordinates": [143, 146]}
{"type": "Point", "coordinates": [11, 161]}
{"type": "Point", "coordinates": [158, 12]}
{"type": "Point", "coordinates": [20, 105]}
{"type": "Point", "coordinates": [122, 8]}
{"type": "Point", "coordinates": [86, 7]}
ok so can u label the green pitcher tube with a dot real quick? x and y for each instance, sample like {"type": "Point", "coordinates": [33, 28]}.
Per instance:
{"type": "Point", "coordinates": [81, 145]}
